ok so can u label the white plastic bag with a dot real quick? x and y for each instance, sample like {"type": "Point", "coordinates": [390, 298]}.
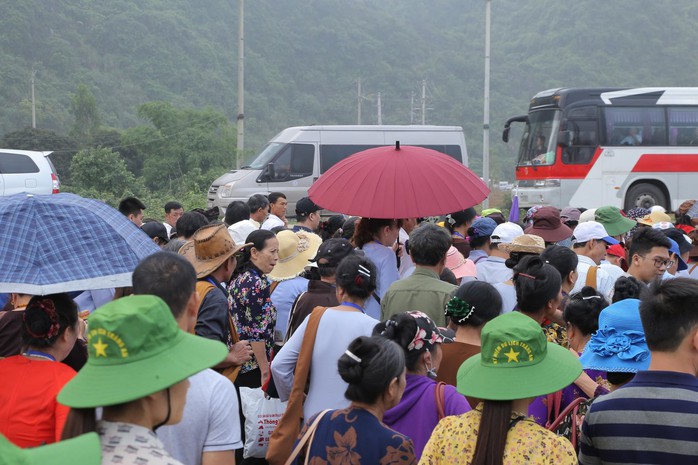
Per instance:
{"type": "Point", "coordinates": [262, 414]}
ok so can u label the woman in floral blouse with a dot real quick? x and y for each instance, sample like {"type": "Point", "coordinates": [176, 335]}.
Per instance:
{"type": "Point", "coordinates": [374, 369]}
{"type": "Point", "coordinates": [253, 312]}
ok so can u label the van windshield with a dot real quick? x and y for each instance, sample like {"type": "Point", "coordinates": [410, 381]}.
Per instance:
{"type": "Point", "coordinates": [266, 156]}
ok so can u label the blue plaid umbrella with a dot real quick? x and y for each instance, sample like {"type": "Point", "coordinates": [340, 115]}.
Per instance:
{"type": "Point", "coordinates": [63, 242]}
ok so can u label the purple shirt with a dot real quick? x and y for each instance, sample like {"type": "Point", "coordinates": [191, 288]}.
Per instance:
{"type": "Point", "coordinates": [539, 410]}
{"type": "Point", "coordinates": [416, 415]}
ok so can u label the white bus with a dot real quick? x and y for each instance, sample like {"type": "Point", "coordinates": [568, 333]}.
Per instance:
{"type": "Point", "coordinates": [296, 157]}
{"type": "Point", "coordinates": [623, 147]}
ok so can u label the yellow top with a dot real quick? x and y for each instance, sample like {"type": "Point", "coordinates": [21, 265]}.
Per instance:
{"type": "Point", "coordinates": [454, 438]}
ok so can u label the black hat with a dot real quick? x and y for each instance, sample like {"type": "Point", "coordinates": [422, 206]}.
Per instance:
{"type": "Point", "coordinates": [332, 251]}
{"type": "Point", "coordinates": [305, 207]}
{"type": "Point", "coordinates": [155, 229]}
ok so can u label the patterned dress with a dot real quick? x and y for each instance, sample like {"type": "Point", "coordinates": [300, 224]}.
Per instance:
{"type": "Point", "coordinates": [129, 444]}
{"type": "Point", "coordinates": [453, 442]}
{"type": "Point", "coordinates": [354, 436]}
{"type": "Point", "coordinates": [253, 312]}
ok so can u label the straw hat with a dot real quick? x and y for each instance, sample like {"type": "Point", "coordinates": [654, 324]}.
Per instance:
{"type": "Point", "coordinates": [135, 349]}
{"type": "Point", "coordinates": [528, 243]}
{"type": "Point", "coordinates": [296, 249]}
{"type": "Point", "coordinates": [654, 217]}
{"type": "Point", "coordinates": [209, 248]}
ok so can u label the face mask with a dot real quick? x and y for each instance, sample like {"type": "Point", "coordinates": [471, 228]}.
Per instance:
{"type": "Point", "coordinates": [431, 372]}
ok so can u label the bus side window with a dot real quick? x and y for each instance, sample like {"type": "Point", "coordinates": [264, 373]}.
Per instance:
{"type": "Point", "coordinates": [683, 126]}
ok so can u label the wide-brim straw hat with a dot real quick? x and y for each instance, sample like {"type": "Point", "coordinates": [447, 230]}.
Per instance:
{"type": "Point", "coordinates": [209, 248]}
{"type": "Point", "coordinates": [516, 362]}
{"type": "Point", "coordinates": [654, 218]}
{"type": "Point", "coordinates": [296, 249]}
{"type": "Point", "coordinates": [527, 243]}
{"type": "Point", "coordinates": [135, 349]}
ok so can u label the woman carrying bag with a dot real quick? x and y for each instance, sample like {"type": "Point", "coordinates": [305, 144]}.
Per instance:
{"type": "Point", "coordinates": [516, 364]}
{"type": "Point", "coordinates": [374, 370]}
{"type": "Point", "coordinates": [315, 347]}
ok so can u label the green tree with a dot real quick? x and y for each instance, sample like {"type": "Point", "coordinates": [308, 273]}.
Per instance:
{"type": "Point", "coordinates": [83, 107]}
{"type": "Point", "coordinates": [102, 174]}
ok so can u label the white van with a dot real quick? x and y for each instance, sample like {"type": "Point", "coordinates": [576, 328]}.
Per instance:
{"type": "Point", "coordinates": [27, 171]}
{"type": "Point", "coordinates": [293, 160]}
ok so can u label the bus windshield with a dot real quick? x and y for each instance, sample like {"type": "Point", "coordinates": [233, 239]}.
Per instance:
{"type": "Point", "coordinates": [539, 139]}
{"type": "Point", "coordinates": [266, 156]}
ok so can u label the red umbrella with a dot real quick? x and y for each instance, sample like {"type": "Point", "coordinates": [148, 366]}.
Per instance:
{"type": "Point", "coordinates": [398, 182]}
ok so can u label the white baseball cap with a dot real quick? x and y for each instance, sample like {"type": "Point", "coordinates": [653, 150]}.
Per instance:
{"type": "Point", "coordinates": [505, 233]}
{"type": "Point", "coordinates": [587, 215]}
{"type": "Point", "coordinates": [589, 230]}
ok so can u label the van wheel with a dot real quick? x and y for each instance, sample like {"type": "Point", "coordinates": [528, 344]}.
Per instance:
{"type": "Point", "coordinates": [645, 196]}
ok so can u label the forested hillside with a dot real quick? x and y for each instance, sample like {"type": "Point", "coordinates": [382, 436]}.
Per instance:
{"type": "Point", "coordinates": [303, 60]}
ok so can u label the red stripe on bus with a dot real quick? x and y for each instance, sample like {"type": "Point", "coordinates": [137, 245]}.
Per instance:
{"type": "Point", "coordinates": [558, 170]}
{"type": "Point", "coordinates": [664, 163]}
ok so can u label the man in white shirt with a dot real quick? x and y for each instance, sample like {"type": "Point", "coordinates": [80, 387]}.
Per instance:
{"type": "Point", "coordinates": [173, 212]}
{"type": "Point", "coordinates": [277, 211]}
{"type": "Point", "coordinates": [259, 208]}
{"type": "Point", "coordinates": [493, 269]}
{"type": "Point", "coordinates": [589, 242]}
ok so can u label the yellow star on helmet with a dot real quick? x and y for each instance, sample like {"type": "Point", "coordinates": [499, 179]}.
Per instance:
{"type": "Point", "coordinates": [100, 348]}
{"type": "Point", "coordinates": [512, 356]}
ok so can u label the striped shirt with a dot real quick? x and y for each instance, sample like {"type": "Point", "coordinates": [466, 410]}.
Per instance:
{"type": "Point", "coordinates": [651, 420]}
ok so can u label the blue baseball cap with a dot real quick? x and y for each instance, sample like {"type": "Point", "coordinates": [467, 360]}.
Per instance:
{"type": "Point", "coordinates": [483, 227]}
{"type": "Point", "coordinates": [675, 250]}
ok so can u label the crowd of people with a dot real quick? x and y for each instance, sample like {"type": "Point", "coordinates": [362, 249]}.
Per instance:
{"type": "Point", "coordinates": [570, 337]}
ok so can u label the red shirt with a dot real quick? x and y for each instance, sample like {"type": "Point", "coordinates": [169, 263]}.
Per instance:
{"type": "Point", "coordinates": [29, 413]}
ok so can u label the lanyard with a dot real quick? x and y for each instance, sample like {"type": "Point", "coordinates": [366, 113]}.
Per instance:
{"type": "Point", "coordinates": [37, 353]}
{"type": "Point", "coordinates": [456, 233]}
{"type": "Point", "coordinates": [356, 306]}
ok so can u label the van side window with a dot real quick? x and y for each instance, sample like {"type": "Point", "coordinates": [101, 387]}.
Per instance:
{"type": "Point", "coordinates": [452, 151]}
{"type": "Point", "coordinates": [333, 154]}
{"type": "Point", "coordinates": [296, 161]}
{"type": "Point", "coordinates": [14, 163]}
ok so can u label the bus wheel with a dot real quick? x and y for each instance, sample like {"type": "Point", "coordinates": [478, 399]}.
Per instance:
{"type": "Point", "coordinates": [645, 196]}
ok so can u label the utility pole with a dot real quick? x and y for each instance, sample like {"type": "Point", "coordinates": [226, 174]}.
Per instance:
{"type": "Point", "coordinates": [412, 107]}
{"type": "Point", "coordinates": [424, 102]}
{"type": "Point", "coordinates": [241, 84]}
{"type": "Point", "coordinates": [358, 101]}
{"type": "Point", "coordinates": [33, 100]}
{"type": "Point", "coordinates": [486, 119]}
{"type": "Point", "coordinates": [380, 110]}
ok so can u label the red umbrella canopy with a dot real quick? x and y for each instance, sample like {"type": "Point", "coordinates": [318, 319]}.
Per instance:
{"type": "Point", "coordinates": [398, 182]}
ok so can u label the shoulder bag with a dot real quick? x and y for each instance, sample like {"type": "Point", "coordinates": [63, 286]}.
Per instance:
{"type": "Point", "coordinates": [286, 432]}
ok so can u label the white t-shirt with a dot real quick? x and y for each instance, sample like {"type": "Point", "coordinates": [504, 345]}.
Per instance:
{"type": "Point", "coordinates": [604, 281]}
{"type": "Point", "coordinates": [336, 331]}
{"type": "Point", "coordinates": [406, 263]}
{"type": "Point", "coordinates": [272, 222]}
{"type": "Point", "coordinates": [211, 421]}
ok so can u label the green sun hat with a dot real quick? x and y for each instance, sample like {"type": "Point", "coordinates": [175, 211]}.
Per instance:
{"type": "Point", "coordinates": [613, 221]}
{"type": "Point", "coordinates": [81, 450]}
{"type": "Point", "coordinates": [135, 349]}
{"type": "Point", "coordinates": [516, 362]}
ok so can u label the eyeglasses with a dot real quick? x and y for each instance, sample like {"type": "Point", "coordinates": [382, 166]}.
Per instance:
{"type": "Point", "coordinates": [661, 263]}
